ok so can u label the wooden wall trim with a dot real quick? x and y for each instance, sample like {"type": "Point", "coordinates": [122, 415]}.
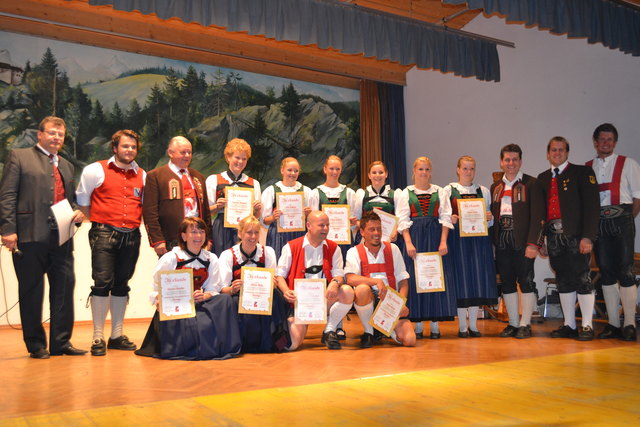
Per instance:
{"type": "Point", "coordinates": [102, 26]}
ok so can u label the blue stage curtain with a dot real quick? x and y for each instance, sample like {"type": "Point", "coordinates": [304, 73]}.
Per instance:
{"type": "Point", "coordinates": [334, 24]}
{"type": "Point", "coordinates": [600, 21]}
{"type": "Point", "coordinates": [392, 134]}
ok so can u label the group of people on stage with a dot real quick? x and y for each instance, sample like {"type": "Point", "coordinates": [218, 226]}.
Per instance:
{"type": "Point", "coordinates": [565, 212]}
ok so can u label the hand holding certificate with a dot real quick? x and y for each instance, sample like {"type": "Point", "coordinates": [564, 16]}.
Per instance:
{"type": "Point", "coordinates": [387, 313]}
{"type": "Point", "coordinates": [473, 220]}
{"type": "Point", "coordinates": [239, 205]}
{"type": "Point", "coordinates": [429, 273]}
{"type": "Point", "coordinates": [311, 305]}
{"type": "Point", "coordinates": [175, 294]}
{"type": "Point", "coordinates": [256, 294]}
{"type": "Point", "coordinates": [339, 225]}
{"type": "Point", "coordinates": [292, 207]}
{"type": "Point", "coordinates": [63, 214]}
{"type": "Point", "coordinates": [389, 224]}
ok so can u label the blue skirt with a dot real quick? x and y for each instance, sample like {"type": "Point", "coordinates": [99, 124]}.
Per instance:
{"type": "Point", "coordinates": [265, 334]}
{"type": "Point", "coordinates": [212, 334]}
{"type": "Point", "coordinates": [475, 279]}
{"type": "Point", "coordinates": [278, 240]}
{"type": "Point", "coordinates": [436, 306]}
{"type": "Point", "coordinates": [222, 238]}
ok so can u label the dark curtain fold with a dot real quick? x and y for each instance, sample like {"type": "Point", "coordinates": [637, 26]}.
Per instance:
{"type": "Point", "coordinates": [392, 133]}
{"type": "Point", "coordinates": [331, 23]}
{"type": "Point", "coordinates": [369, 128]}
{"type": "Point", "coordinates": [600, 21]}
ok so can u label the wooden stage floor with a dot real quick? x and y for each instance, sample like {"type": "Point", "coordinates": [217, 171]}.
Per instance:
{"type": "Point", "coordinates": [451, 381]}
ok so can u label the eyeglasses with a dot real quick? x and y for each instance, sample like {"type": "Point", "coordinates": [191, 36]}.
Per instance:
{"type": "Point", "coordinates": [54, 133]}
{"type": "Point", "coordinates": [196, 231]}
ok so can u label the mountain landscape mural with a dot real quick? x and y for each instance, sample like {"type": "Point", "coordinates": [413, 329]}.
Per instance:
{"type": "Point", "coordinates": [98, 91]}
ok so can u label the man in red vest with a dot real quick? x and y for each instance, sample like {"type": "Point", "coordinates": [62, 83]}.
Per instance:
{"type": "Point", "coordinates": [110, 194]}
{"type": "Point", "coordinates": [312, 256]}
{"type": "Point", "coordinates": [372, 266]}
{"type": "Point", "coordinates": [619, 185]}
{"type": "Point", "coordinates": [571, 195]}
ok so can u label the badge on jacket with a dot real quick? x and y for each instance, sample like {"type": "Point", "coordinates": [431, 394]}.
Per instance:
{"type": "Point", "coordinates": [174, 189]}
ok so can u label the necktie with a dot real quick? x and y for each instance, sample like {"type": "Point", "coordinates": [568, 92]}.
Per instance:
{"type": "Point", "coordinates": [556, 172]}
{"type": "Point", "coordinates": [58, 184]}
{"type": "Point", "coordinates": [188, 195]}
{"type": "Point", "coordinates": [186, 184]}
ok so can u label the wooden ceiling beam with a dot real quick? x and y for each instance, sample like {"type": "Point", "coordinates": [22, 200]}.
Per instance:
{"type": "Point", "coordinates": [77, 21]}
{"type": "Point", "coordinates": [157, 49]}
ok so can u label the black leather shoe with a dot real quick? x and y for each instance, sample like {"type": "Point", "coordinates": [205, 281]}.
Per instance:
{"type": "Point", "coordinates": [434, 335]}
{"type": "Point", "coordinates": [464, 334]}
{"type": "Point", "coordinates": [71, 351]}
{"type": "Point", "coordinates": [474, 334]}
{"type": "Point", "coordinates": [524, 332]}
{"type": "Point", "coordinates": [40, 353]}
{"type": "Point", "coordinates": [509, 331]}
{"type": "Point", "coordinates": [610, 331]}
{"type": "Point", "coordinates": [419, 335]}
{"type": "Point", "coordinates": [564, 332]}
{"type": "Point", "coordinates": [366, 340]}
{"type": "Point", "coordinates": [341, 334]}
{"type": "Point", "coordinates": [121, 343]}
{"type": "Point", "coordinates": [585, 333]}
{"type": "Point", "coordinates": [98, 347]}
{"type": "Point", "coordinates": [629, 333]}
{"type": "Point", "coordinates": [330, 339]}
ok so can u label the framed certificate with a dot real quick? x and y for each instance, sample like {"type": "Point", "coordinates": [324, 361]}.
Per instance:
{"type": "Point", "coordinates": [387, 312]}
{"type": "Point", "coordinates": [292, 207]}
{"type": "Point", "coordinates": [472, 217]}
{"type": "Point", "coordinates": [175, 294]}
{"type": "Point", "coordinates": [256, 293]}
{"type": "Point", "coordinates": [339, 226]}
{"type": "Point", "coordinates": [429, 272]}
{"type": "Point", "coordinates": [389, 224]}
{"type": "Point", "coordinates": [311, 305]}
{"type": "Point", "coordinates": [239, 205]}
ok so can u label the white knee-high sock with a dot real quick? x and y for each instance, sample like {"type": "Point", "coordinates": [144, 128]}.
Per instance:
{"type": "Point", "coordinates": [629, 295]}
{"type": "Point", "coordinates": [568, 303]}
{"type": "Point", "coordinates": [473, 318]}
{"type": "Point", "coordinates": [118, 307]}
{"type": "Point", "coordinates": [462, 319]}
{"type": "Point", "coordinates": [528, 300]}
{"type": "Point", "coordinates": [99, 310]}
{"type": "Point", "coordinates": [364, 313]}
{"type": "Point", "coordinates": [587, 303]}
{"type": "Point", "coordinates": [511, 302]}
{"type": "Point", "coordinates": [434, 327]}
{"type": "Point", "coordinates": [336, 313]}
{"type": "Point", "coordinates": [612, 302]}
{"type": "Point", "coordinates": [419, 328]}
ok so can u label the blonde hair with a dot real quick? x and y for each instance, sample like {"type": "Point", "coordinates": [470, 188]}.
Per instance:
{"type": "Point", "coordinates": [466, 159]}
{"type": "Point", "coordinates": [286, 160]}
{"type": "Point", "coordinates": [332, 157]}
{"type": "Point", "coordinates": [421, 159]}
{"type": "Point", "coordinates": [247, 222]}
{"type": "Point", "coordinates": [237, 145]}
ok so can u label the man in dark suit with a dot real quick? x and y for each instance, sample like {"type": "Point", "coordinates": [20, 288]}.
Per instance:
{"type": "Point", "coordinates": [172, 192]}
{"type": "Point", "coordinates": [573, 213]}
{"type": "Point", "coordinates": [517, 204]}
{"type": "Point", "coordinates": [33, 180]}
